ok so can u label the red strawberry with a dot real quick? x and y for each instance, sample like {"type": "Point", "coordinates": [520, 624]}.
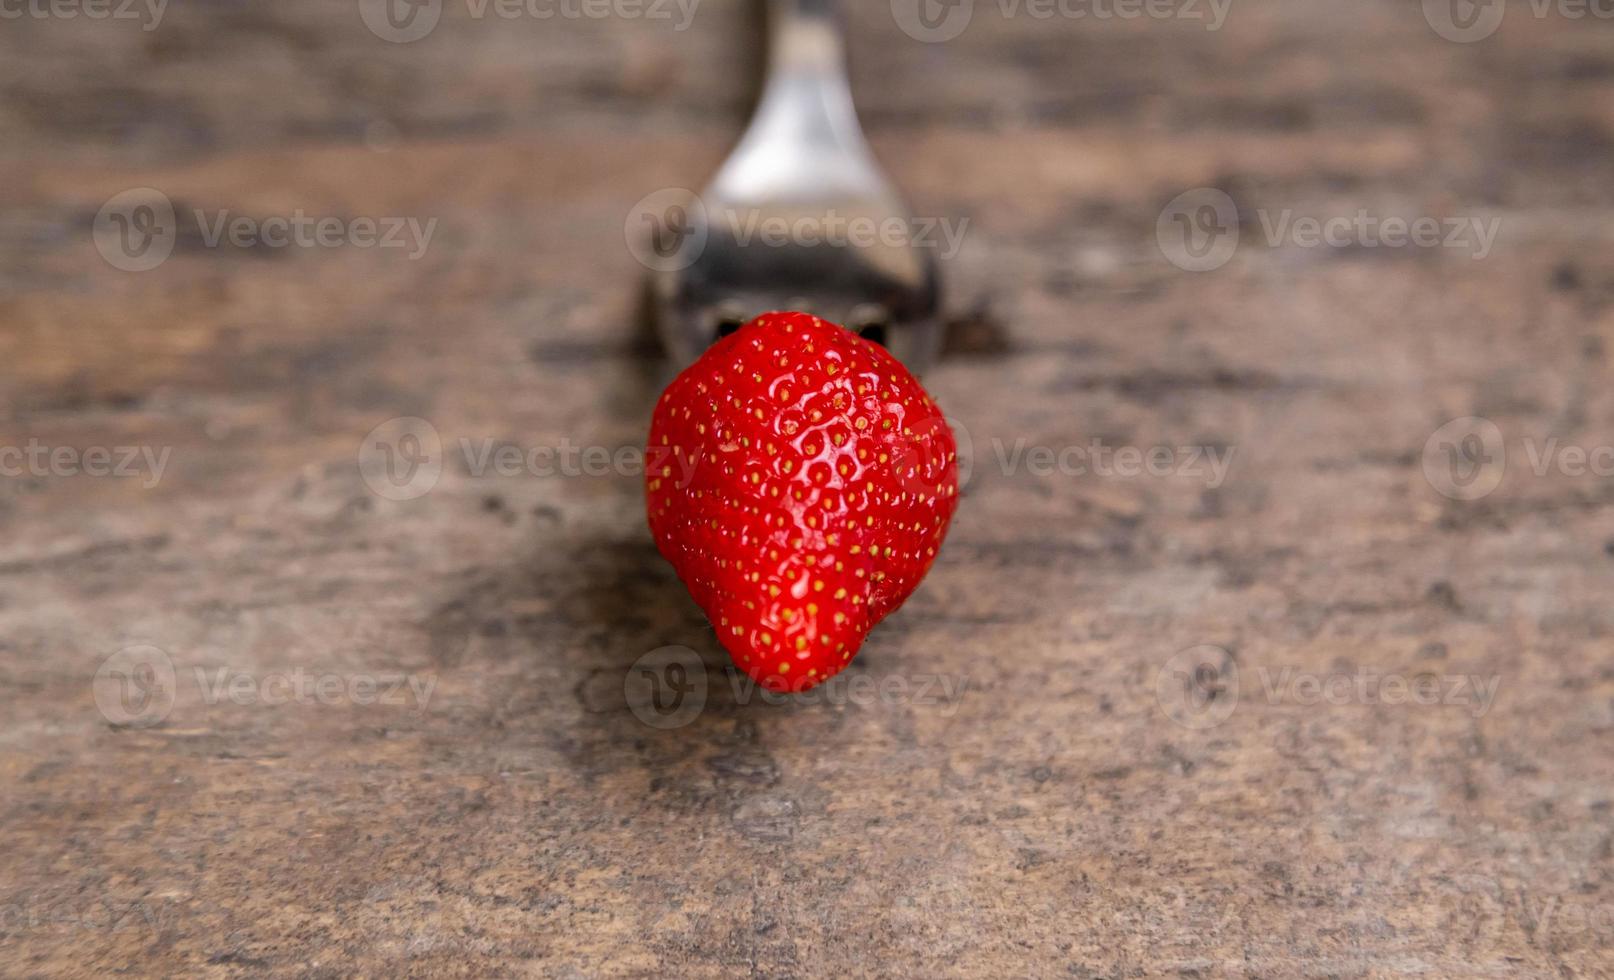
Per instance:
{"type": "Point", "coordinates": [800, 482]}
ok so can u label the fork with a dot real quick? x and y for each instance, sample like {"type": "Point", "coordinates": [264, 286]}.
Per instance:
{"type": "Point", "coordinates": [798, 215]}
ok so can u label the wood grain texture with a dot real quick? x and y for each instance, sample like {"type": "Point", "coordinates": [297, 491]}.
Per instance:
{"type": "Point", "coordinates": [1052, 816]}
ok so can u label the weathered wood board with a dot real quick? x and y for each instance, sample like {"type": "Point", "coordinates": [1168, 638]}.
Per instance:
{"type": "Point", "coordinates": [396, 742]}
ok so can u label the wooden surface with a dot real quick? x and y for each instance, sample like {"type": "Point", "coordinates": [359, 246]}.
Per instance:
{"type": "Point", "coordinates": [1064, 812]}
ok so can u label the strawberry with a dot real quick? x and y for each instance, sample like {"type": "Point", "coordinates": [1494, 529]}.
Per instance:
{"type": "Point", "coordinates": [800, 481]}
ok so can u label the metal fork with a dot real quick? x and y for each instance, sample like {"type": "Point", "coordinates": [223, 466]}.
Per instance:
{"type": "Point", "coordinates": [800, 216]}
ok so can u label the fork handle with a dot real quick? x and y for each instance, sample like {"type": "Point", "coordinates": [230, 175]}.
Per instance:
{"type": "Point", "coordinates": [808, 98]}
{"type": "Point", "coordinates": [806, 36]}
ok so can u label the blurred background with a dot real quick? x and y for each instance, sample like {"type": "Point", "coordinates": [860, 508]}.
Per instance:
{"type": "Point", "coordinates": [277, 278]}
